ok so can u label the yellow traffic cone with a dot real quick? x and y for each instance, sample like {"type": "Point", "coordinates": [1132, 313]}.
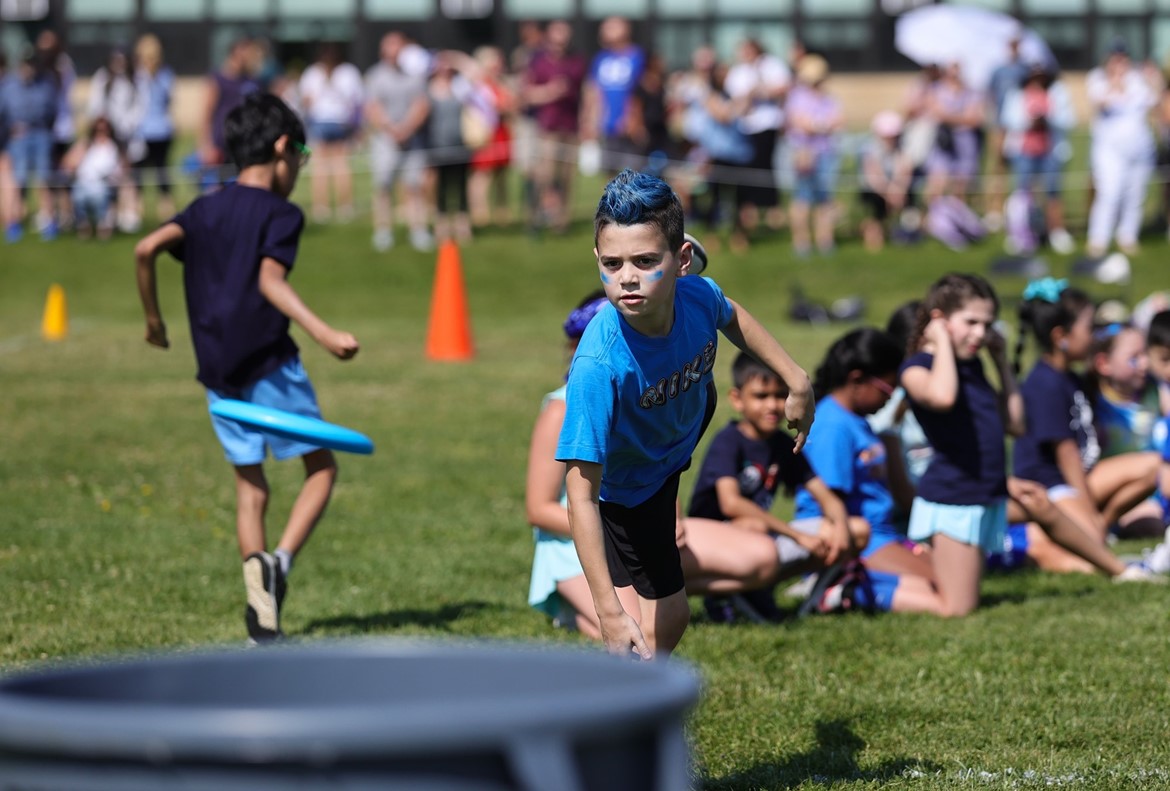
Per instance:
{"type": "Point", "coordinates": [55, 324]}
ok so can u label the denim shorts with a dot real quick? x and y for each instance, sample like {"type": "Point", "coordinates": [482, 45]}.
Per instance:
{"type": "Point", "coordinates": [287, 388]}
{"type": "Point", "coordinates": [817, 185]}
{"type": "Point", "coordinates": [329, 131]}
{"type": "Point", "coordinates": [1042, 172]}
{"type": "Point", "coordinates": [31, 155]}
{"type": "Point", "coordinates": [978, 525]}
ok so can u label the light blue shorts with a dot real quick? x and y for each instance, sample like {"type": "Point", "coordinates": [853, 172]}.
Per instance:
{"type": "Point", "coordinates": [978, 525]}
{"type": "Point", "coordinates": [287, 388]}
{"type": "Point", "coordinates": [555, 560]}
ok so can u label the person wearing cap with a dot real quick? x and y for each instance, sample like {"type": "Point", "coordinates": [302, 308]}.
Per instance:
{"type": "Point", "coordinates": [1121, 155]}
{"type": "Point", "coordinates": [814, 119]}
{"type": "Point", "coordinates": [885, 173]}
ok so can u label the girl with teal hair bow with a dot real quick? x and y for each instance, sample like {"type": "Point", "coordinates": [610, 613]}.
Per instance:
{"type": "Point", "coordinates": [1059, 449]}
{"type": "Point", "coordinates": [1047, 289]}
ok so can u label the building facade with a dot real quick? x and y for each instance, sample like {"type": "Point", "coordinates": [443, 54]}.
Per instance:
{"type": "Point", "coordinates": [856, 35]}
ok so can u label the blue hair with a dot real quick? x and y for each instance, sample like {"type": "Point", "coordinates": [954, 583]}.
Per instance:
{"type": "Point", "coordinates": [634, 198]}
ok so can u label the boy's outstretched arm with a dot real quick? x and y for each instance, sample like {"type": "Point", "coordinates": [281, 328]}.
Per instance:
{"type": "Point", "coordinates": [276, 289]}
{"type": "Point", "coordinates": [145, 254]}
{"type": "Point", "coordinates": [619, 631]}
{"type": "Point", "coordinates": [749, 335]}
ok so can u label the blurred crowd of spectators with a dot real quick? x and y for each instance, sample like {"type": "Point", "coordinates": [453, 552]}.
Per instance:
{"type": "Point", "coordinates": [440, 133]}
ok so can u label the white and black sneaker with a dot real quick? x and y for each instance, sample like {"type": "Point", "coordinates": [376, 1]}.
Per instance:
{"type": "Point", "coordinates": [265, 588]}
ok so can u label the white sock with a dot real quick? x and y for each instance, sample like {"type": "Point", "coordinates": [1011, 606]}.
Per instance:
{"type": "Point", "coordinates": [285, 558]}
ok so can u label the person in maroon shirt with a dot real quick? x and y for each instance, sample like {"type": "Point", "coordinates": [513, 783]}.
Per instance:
{"type": "Point", "coordinates": [552, 86]}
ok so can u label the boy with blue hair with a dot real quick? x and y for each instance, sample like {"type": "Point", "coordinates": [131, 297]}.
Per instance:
{"type": "Point", "coordinates": [640, 394]}
{"type": "Point", "coordinates": [237, 246]}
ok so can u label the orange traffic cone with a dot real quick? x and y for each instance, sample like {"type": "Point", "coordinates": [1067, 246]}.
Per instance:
{"type": "Point", "coordinates": [55, 322]}
{"type": "Point", "coordinates": [449, 333]}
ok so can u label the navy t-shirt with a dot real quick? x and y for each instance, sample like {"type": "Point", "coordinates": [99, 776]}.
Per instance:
{"type": "Point", "coordinates": [760, 466]}
{"type": "Point", "coordinates": [239, 336]}
{"type": "Point", "coordinates": [970, 464]}
{"type": "Point", "coordinates": [1055, 409]}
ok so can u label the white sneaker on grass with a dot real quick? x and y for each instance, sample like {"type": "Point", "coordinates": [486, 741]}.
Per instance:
{"type": "Point", "coordinates": [383, 240]}
{"type": "Point", "coordinates": [1158, 558]}
{"type": "Point", "coordinates": [1062, 241]}
{"type": "Point", "coordinates": [263, 584]}
{"type": "Point", "coordinates": [421, 240]}
{"type": "Point", "coordinates": [1140, 572]}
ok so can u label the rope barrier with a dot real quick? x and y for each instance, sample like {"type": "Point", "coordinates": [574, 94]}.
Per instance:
{"type": "Point", "coordinates": [782, 177]}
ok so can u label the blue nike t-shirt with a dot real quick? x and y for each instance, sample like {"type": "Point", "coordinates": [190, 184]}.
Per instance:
{"type": "Point", "coordinates": [636, 404]}
{"type": "Point", "coordinates": [846, 454]}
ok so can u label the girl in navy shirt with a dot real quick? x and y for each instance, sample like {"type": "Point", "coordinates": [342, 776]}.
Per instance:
{"type": "Point", "coordinates": [961, 505]}
{"type": "Point", "coordinates": [1059, 448]}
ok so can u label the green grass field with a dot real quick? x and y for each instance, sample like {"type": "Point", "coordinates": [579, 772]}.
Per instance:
{"type": "Point", "coordinates": [116, 520]}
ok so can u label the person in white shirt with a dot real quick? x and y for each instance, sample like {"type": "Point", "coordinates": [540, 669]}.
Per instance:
{"type": "Point", "coordinates": [114, 96]}
{"type": "Point", "coordinates": [332, 93]}
{"type": "Point", "coordinates": [1122, 152]}
{"type": "Point", "coordinates": [96, 164]}
{"type": "Point", "coordinates": [758, 83]}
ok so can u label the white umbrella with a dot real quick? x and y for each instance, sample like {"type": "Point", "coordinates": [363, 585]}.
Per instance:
{"type": "Point", "coordinates": [975, 38]}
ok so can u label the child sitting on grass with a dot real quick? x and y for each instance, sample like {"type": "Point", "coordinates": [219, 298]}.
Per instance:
{"type": "Point", "coordinates": [745, 465]}
{"type": "Point", "coordinates": [855, 380]}
{"type": "Point", "coordinates": [237, 247]}
{"type": "Point", "coordinates": [1060, 449]}
{"type": "Point", "coordinates": [96, 165]}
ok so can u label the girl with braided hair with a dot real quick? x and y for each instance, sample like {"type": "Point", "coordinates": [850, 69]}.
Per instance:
{"type": "Point", "coordinates": [1059, 448]}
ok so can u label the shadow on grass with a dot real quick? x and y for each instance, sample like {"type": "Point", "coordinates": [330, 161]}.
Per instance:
{"type": "Point", "coordinates": [374, 623]}
{"type": "Point", "coordinates": [1000, 598]}
{"type": "Point", "coordinates": [833, 760]}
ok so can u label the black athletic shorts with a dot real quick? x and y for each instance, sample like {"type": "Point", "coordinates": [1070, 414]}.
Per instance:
{"type": "Point", "coordinates": [639, 543]}
{"type": "Point", "coordinates": [640, 549]}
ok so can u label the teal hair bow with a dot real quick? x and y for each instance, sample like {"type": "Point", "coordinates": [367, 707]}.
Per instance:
{"type": "Point", "coordinates": [1046, 288]}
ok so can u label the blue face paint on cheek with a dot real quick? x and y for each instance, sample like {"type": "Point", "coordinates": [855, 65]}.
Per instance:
{"type": "Point", "coordinates": [604, 278]}
{"type": "Point", "coordinates": [656, 275]}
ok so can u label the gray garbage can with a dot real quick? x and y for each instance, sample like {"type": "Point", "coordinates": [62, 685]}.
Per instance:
{"type": "Point", "coordinates": [386, 715]}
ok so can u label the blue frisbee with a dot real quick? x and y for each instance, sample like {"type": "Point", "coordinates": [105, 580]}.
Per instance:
{"type": "Point", "coordinates": [311, 430]}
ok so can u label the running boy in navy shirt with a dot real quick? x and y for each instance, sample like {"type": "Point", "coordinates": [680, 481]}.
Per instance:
{"type": "Point", "coordinates": [237, 247]}
{"type": "Point", "coordinates": [639, 395]}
